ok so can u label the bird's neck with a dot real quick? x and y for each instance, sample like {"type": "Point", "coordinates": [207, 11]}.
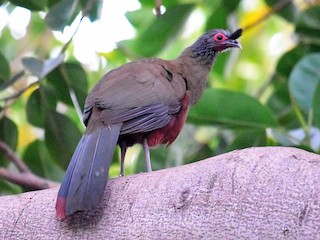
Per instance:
{"type": "Point", "coordinates": [196, 64]}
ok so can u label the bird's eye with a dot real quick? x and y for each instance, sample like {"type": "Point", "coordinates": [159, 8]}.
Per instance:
{"type": "Point", "coordinates": [219, 37]}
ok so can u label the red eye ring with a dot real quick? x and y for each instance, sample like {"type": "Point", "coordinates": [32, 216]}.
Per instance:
{"type": "Point", "coordinates": [219, 37]}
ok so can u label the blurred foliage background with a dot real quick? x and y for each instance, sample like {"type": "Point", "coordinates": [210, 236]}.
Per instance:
{"type": "Point", "coordinates": [50, 57]}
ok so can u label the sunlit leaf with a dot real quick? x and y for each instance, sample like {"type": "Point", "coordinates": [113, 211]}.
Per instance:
{"type": "Point", "coordinates": [161, 31]}
{"type": "Point", "coordinates": [61, 137]}
{"type": "Point", "coordinates": [304, 81]}
{"type": "Point", "coordinates": [232, 110]}
{"type": "Point", "coordinates": [141, 18]}
{"type": "Point", "coordinates": [9, 135]}
{"type": "Point", "coordinates": [59, 14]}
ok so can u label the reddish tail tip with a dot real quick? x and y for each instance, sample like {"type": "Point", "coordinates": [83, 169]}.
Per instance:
{"type": "Point", "coordinates": [61, 208]}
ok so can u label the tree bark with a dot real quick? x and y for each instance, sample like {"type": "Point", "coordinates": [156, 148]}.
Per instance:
{"type": "Point", "coordinates": [256, 193]}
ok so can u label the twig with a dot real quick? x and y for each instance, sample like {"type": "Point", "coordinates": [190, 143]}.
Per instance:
{"type": "Point", "coordinates": [88, 7]}
{"type": "Point", "coordinates": [12, 80]}
{"type": "Point", "coordinates": [67, 43]}
{"type": "Point", "coordinates": [24, 177]}
{"type": "Point", "coordinates": [20, 92]}
{"type": "Point", "coordinates": [158, 7]}
{"type": "Point", "coordinates": [11, 155]}
{"type": "Point", "coordinates": [264, 86]}
{"type": "Point", "coordinates": [275, 8]}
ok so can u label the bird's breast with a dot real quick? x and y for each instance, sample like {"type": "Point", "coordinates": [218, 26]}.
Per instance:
{"type": "Point", "coordinates": [167, 134]}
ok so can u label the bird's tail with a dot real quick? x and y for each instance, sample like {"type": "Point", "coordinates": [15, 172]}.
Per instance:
{"type": "Point", "coordinates": [85, 180]}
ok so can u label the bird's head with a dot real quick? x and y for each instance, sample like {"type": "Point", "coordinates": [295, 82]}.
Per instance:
{"type": "Point", "coordinates": [223, 40]}
{"type": "Point", "coordinates": [218, 40]}
{"type": "Point", "coordinates": [215, 41]}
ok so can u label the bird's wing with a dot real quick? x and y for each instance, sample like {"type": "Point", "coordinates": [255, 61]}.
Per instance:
{"type": "Point", "coordinates": [142, 95]}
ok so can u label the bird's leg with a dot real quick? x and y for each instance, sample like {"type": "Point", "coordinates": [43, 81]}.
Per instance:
{"type": "Point", "coordinates": [147, 154]}
{"type": "Point", "coordinates": [123, 148]}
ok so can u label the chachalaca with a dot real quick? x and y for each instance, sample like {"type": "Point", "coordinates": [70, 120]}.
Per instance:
{"type": "Point", "coordinates": [145, 102]}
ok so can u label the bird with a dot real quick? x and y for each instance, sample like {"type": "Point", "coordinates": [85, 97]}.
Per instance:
{"type": "Point", "coordinates": [141, 102]}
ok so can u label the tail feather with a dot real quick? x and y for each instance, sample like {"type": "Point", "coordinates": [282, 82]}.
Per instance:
{"type": "Point", "coordinates": [85, 180]}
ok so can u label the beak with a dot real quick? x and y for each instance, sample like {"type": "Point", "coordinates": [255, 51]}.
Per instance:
{"type": "Point", "coordinates": [232, 43]}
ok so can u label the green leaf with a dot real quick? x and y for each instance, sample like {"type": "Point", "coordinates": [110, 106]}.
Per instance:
{"type": "Point", "coordinates": [33, 65]}
{"type": "Point", "coordinates": [249, 138]}
{"type": "Point", "coordinates": [76, 80]}
{"type": "Point", "coordinates": [280, 101]}
{"type": "Point", "coordinates": [40, 68]}
{"type": "Point", "coordinates": [231, 5]}
{"type": "Point", "coordinates": [316, 107]}
{"type": "Point", "coordinates": [289, 11]}
{"type": "Point", "coordinates": [165, 3]}
{"type": "Point", "coordinates": [56, 80]}
{"type": "Point", "coordinates": [4, 69]}
{"type": "Point", "coordinates": [218, 18]}
{"type": "Point", "coordinates": [141, 18]}
{"type": "Point", "coordinates": [33, 5]}
{"type": "Point", "coordinates": [95, 8]}
{"type": "Point", "coordinates": [304, 80]}
{"type": "Point", "coordinates": [61, 137]}
{"type": "Point", "coordinates": [59, 14]}
{"type": "Point", "coordinates": [7, 188]}
{"type": "Point", "coordinates": [39, 105]}
{"type": "Point", "coordinates": [69, 78]}
{"type": "Point", "coordinates": [39, 161]}
{"type": "Point", "coordinates": [288, 60]}
{"type": "Point", "coordinates": [51, 64]}
{"type": "Point", "coordinates": [308, 24]}
{"type": "Point", "coordinates": [9, 135]}
{"type": "Point", "coordinates": [160, 32]}
{"type": "Point", "coordinates": [232, 110]}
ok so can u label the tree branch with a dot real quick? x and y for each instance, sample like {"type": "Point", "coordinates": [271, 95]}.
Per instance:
{"type": "Point", "coordinates": [20, 92]}
{"type": "Point", "coordinates": [27, 180]}
{"type": "Point", "coordinates": [158, 7]}
{"type": "Point", "coordinates": [256, 193]}
{"type": "Point", "coordinates": [24, 177]}
{"type": "Point", "coordinates": [275, 8]}
{"type": "Point", "coordinates": [11, 155]}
